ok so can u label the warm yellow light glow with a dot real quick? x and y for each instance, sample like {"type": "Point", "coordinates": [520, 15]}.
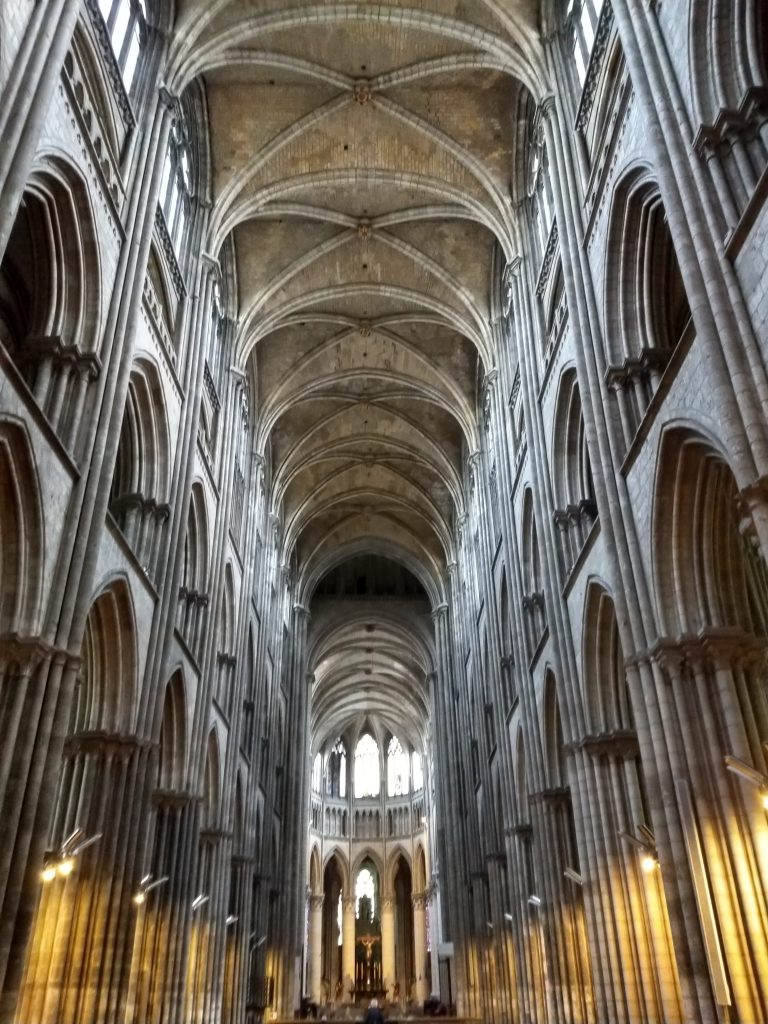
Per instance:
{"type": "Point", "coordinates": [48, 873]}
{"type": "Point", "coordinates": [765, 799]}
{"type": "Point", "coordinates": [66, 867]}
{"type": "Point", "coordinates": [139, 898]}
{"type": "Point", "coordinates": [648, 863]}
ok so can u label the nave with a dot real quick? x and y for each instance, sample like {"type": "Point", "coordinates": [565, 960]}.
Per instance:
{"type": "Point", "coordinates": [383, 511]}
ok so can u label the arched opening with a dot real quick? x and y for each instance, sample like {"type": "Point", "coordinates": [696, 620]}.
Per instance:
{"type": "Point", "coordinates": [226, 660]}
{"type": "Point", "coordinates": [333, 889]}
{"type": "Point", "coordinates": [193, 593]}
{"type": "Point", "coordinates": [618, 768]}
{"type": "Point", "coordinates": [574, 491]}
{"type": "Point", "coordinates": [404, 961]}
{"type": "Point", "coordinates": [533, 596]}
{"type": "Point", "coordinates": [21, 533]}
{"type": "Point", "coordinates": [49, 298]}
{"type": "Point", "coordinates": [140, 484]}
{"type": "Point", "coordinates": [367, 767]}
{"type": "Point", "coordinates": [647, 311]}
{"type": "Point", "coordinates": [88, 832]}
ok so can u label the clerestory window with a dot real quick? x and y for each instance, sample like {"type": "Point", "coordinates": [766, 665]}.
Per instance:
{"type": "Point", "coordinates": [126, 22]}
{"type": "Point", "coordinates": [367, 779]}
{"type": "Point", "coordinates": [176, 187]}
{"type": "Point", "coordinates": [336, 771]}
{"type": "Point", "coordinates": [584, 15]}
{"type": "Point", "coordinates": [397, 769]}
{"type": "Point", "coordinates": [417, 772]}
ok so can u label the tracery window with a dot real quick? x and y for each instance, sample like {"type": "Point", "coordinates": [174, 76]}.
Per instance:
{"type": "Point", "coordinates": [317, 773]}
{"type": "Point", "coordinates": [417, 771]}
{"type": "Point", "coordinates": [542, 203]}
{"type": "Point", "coordinates": [176, 187]}
{"type": "Point", "coordinates": [336, 771]}
{"type": "Point", "coordinates": [365, 887]}
{"type": "Point", "coordinates": [126, 21]}
{"type": "Point", "coordinates": [367, 779]}
{"type": "Point", "coordinates": [397, 769]}
{"type": "Point", "coordinates": [584, 15]}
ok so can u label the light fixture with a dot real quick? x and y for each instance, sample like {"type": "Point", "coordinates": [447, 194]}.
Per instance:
{"type": "Point", "coordinates": [66, 866]}
{"type": "Point", "coordinates": [146, 885]}
{"type": "Point", "coordinates": [48, 873]}
{"type": "Point", "coordinates": [231, 919]}
{"type": "Point", "coordinates": [648, 863]}
{"type": "Point", "coordinates": [534, 901]}
{"type": "Point", "coordinates": [198, 901]}
{"type": "Point", "coordinates": [62, 861]}
{"type": "Point", "coordinates": [573, 876]}
{"type": "Point", "coordinates": [508, 916]}
{"type": "Point", "coordinates": [490, 925]}
{"type": "Point", "coordinates": [260, 942]}
{"type": "Point", "coordinates": [749, 774]}
{"type": "Point", "coordinates": [649, 858]}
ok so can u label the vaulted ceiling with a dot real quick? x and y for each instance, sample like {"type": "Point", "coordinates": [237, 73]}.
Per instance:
{"type": "Point", "coordinates": [362, 155]}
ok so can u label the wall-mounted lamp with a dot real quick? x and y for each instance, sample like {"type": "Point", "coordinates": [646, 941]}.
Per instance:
{"type": "Point", "coordinates": [573, 876]}
{"type": "Point", "coordinates": [198, 901]}
{"type": "Point", "coordinates": [62, 861]}
{"type": "Point", "coordinates": [260, 942]}
{"type": "Point", "coordinates": [231, 919]}
{"type": "Point", "coordinates": [534, 901]}
{"type": "Point", "coordinates": [490, 925]}
{"type": "Point", "coordinates": [649, 858]}
{"type": "Point", "coordinates": [508, 917]}
{"type": "Point", "coordinates": [146, 885]}
{"type": "Point", "coordinates": [749, 774]}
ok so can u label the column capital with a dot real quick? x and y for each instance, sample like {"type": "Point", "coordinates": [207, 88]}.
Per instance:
{"type": "Point", "coordinates": [315, 902]}
{"type": "Point", "coordinates": [300, 611]}
{"type": "Point", "coordinates": [348, 904]}
{"type": "Point", "coordinates": [211, 263]}
{"type": "Point", "coordinates": [169, 99]}
{"type": "Point", "coordinates": [440, 611]}
{"type": "Point", "coordinates": [419, 900]}
{"type": "Point", "coordinates": [548, 105]}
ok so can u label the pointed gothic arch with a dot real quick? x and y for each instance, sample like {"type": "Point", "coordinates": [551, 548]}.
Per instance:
{"type": "Point", "coordinates": [172, 760]}
{"type": "Point", "coordinates": [22, 537]}
{"type": "Point", "coordinates": [647, 314]}
{"type": "Point", "coordinates": [50, 296]}
{"type": "Point", "coordinates": [107, 686]}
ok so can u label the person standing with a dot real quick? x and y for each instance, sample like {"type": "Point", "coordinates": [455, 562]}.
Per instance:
{"type": "Point", "coordinates": [374, 1014]}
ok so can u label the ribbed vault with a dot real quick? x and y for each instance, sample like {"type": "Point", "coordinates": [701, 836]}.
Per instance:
{"type": "Point", "coordinates": [371, 666]}
{"type": "Point", "coordinates": [362, 159]}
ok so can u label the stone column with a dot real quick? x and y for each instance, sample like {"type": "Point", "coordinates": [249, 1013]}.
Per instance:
{"type": "Point", "coordinates": [433, 909]}
{"type": "Point", "coordinates": [315, 948]}
{"type": "Point", "coordinates": [388, 944]}
{"type": "Point", "coordinates": [421, 990]}
{"type": "Point", "coordinates": [348, 946]}
{"type": "Point", "coordinates": [29, 90]}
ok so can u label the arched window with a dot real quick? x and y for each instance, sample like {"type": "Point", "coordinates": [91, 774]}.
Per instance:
{"type": "Point", "coordinates": [367, 780]}
{"type": "Point", "coordinates": [126, 22]}
{"type": "Point", "coordinates": [176, 187]}
{"type": "Point", "coordinates": [417, 772]}
{"type": "Point", "coordinates": [365, 889]}
{"type": "Point", "coordinates": [317, 773]}
{"type": "Point", "coordinates": [540, 191]}
{"type": "Point", "coordinates": [397, 769]}
{"type": "Point", "coordinates": [336, 771]}
{"type": "Point", "coordinates": [584, 15]}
